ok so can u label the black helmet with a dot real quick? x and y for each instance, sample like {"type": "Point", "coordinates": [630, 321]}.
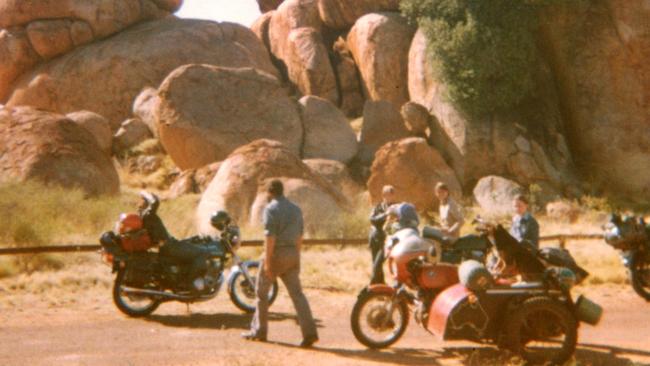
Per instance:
{"type": "Point", "coordinates": [220, 220]}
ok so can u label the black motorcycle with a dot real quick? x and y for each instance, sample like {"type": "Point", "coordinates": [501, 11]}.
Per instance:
{"type": "Point", "coordinates": [145, 279]}
{"type": "Point", "coordinates": [631, 237]}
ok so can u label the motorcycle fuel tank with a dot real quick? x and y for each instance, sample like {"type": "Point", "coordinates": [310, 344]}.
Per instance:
{"type": "Point", "coordinates": [438, 276]}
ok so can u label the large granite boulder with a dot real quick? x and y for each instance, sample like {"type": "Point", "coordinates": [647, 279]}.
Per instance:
{"type": "Point", "coordinates": [131, 133]}
{"type": "Point", "coordinates": [268, 5]}
{"type": "Point", "coordinates": [245, 104]}
{"type": "Point", "coordinates": [53, 149]}
{"type": "Point", "coordinates": [36, 30]}
{"type": "Point", "coordinates": [144, 108]}
{"type": "Point", "coordinates": [380, 43]}
{"type": "Point", "coordinates": [106, 76]}
{"type": "Point", "coordinates": [320, 210]}
{"type": "Point", "coordinates": [341, 14]}
{"type": "Point", "coordinates": [495, 194]}
{"type": "Point", "coordinates": [193, 181]}
{"type": "Point", "coordinates": [241, 179]}
{"type": "Point", "coordinates": [413, 168]}
{"type": "Point", "coordinates": [308, 64]}
{"type": "Point", "coordinates": [328, 134]}
{"type": "Point", "coordinates": [261, 28]}
{"type": "Point", "coordinates": [599, 52]}
{"type": "Point", "coordinates": [338, 175]}
{"type": "Point", "coordinates": [382, 123]}
{"type": "Point", "coordinates": [295, 39]}
{"type": "Point", "coordinates": [97, 125]}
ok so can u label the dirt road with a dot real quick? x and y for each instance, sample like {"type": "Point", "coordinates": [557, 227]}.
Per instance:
{"type": "Point", "coordinates": [83, 328]}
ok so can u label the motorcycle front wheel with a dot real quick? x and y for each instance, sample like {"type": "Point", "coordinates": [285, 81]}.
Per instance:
{"type": "Point", "coordinates": [640, 274]}
{"type": "Point", "coordinates": [376, 323]}
{"type": "Point", "coordinates": [131, 305]}
{"type": "Point", "coordinates": [542, 330]}
{"type": "Point", "coordinates": [242, 292]}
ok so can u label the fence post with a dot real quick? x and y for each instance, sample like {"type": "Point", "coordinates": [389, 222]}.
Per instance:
{"type": "Point", "coordinates": [563, 242]}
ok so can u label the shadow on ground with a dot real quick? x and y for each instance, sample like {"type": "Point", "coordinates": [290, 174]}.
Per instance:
{"type": "Point", "coordinates": [594, 355]}
{"type": "Point", "coordinates": [217, 321]}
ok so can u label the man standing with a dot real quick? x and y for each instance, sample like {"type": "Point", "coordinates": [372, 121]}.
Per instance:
{"type": "Point", "coordinates": [451, 215]}
{"type": "Point", "coordinates": [283, 230]}
{"type": "Point", "coordinates": [524, 226]}
{"type": "Point", "coordinates": [377, 234]}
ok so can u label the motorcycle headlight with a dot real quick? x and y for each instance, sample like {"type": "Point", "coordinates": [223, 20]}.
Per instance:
{"type": "Point", "coordinates": [566, 278]}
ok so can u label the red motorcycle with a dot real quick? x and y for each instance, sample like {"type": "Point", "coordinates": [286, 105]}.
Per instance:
{"type": "Point", "coordinates": [537, 319]}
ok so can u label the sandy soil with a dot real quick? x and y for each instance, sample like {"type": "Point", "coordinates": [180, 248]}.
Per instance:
{"type": "Point", "coordinates": [77, 324]}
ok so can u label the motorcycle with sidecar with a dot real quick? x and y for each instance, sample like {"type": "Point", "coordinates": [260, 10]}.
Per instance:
{"type": "Point", "coordinates": [631, 237]}
{"type": "Point", "coordinates": [537, 318]}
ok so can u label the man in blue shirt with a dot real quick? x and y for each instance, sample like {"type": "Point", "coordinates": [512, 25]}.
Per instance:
{"type": "Point", "coordinates": [524, 226]}
{"type": "Point", "coordinates": [283, 230]}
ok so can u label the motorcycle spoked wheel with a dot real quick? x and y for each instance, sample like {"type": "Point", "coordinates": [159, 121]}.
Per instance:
{"type": "Point", "coordinates": [640, 274]}
{"type": "Point", "coordinates": [542, 331]}
{"type": "Point", "coordinates": [242, 293]}
{"type": "Point", "coordinates": [372, 325]}
{"type": "Point", "coordinates": [132, 305]}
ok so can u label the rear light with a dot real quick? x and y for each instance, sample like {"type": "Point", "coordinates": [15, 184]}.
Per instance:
{"type": "Point", "coordinates": [107, 257]}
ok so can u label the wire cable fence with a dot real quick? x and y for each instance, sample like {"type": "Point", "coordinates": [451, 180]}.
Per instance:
{"type": "Point", "coordinates": [562, 240]}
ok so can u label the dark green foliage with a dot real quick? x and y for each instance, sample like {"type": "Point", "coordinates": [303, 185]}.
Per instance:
{"type": "Point", "coordinates": [484, 50]}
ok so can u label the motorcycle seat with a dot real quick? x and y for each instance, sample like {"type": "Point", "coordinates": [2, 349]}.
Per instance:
{"type": "Point", "coordinates": [527, 285]}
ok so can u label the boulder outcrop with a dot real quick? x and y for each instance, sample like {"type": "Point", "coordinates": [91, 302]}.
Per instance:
{"type": "Point", "coordinates": [480, 146]}
{"type": "Point", "coordinates": [97, 125]}
{"type": "Point", "coordinates": [599, 52]}
{"type": "Point", "coordinates": [242, 176]}
{"type": "Point", "coordinates": [379, 43]}
{"type": "Point", "coordinates": [245, 104]}
{"type": "Point", "coordinates": [268, 5]}
{"type": "Point", "coordinates": [382, 123]}
{"type": "Point", "coordinates": [295, 39]}
{"type": "Point", "coordinates": [39, 30]}
{"type": "Point", "coordinates": [495, 194]}
{"type": "Point", "coordinates": [53, 149]}
{"type": "Point", "coordinates": [106, 76]}
{"type": "Point", "coordinates": [328, 134]}
{"type": "Point", "coordinates": [338, 175]}
{"type": "Point", "coordinates": [341, 14]}
{"type": "Point", "coordinates": [413, 168]}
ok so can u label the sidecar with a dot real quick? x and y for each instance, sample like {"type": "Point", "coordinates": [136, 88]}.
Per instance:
{"type": "Point", "coordinates": [530, 318]}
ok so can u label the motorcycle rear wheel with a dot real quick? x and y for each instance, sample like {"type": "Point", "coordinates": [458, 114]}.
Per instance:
{"type": "Point", "coordinates": [369, 315]}
{"type": "Point", "coordinates": [243, 294]}
{"type": "Point", "coordinates": [127, 304]}
{"type": "Point", "coordinates": [640, 274]}
{"type": "Point", "coordinates": [542, 330]}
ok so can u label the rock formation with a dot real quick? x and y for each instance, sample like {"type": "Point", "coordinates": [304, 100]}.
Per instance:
{"type": "Point", "coordinates": [106, 76]}
{"type": "Point", "coordinates": [245, 104]}
{"type": "Point", "coordinates": [413, 168]}
{"type": "Point", "coordinates": [242, 176]}
{"type": "Point", "coordinates": [53, 149]}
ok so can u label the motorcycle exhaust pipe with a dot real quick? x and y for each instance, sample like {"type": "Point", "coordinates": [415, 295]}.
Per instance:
{"type": "Point", "coordinates": [163, 294]}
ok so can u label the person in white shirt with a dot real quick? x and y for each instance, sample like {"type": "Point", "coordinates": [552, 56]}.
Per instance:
{"type": "Point", "coordinates": [451, 214]}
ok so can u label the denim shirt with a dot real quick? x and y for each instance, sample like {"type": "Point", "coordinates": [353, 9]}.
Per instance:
{"type": "Point", "coordinates": [525, 228]}
{"type": "Point", "coordinates": [283, 220]}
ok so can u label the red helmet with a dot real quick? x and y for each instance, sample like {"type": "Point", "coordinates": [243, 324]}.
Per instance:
{"type": "Point", "coordinates": [128, 223]}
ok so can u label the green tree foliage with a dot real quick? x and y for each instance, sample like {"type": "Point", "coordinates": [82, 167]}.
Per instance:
{"type": "Point", "coordinates": [483, 50]}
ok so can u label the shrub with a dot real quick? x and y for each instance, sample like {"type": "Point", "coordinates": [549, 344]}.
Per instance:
{"type": "Point", "coordinates": [484, 51]}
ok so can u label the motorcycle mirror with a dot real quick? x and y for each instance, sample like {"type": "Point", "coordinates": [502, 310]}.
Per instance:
{"type": "Point", "coordinates": [433, 252]}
